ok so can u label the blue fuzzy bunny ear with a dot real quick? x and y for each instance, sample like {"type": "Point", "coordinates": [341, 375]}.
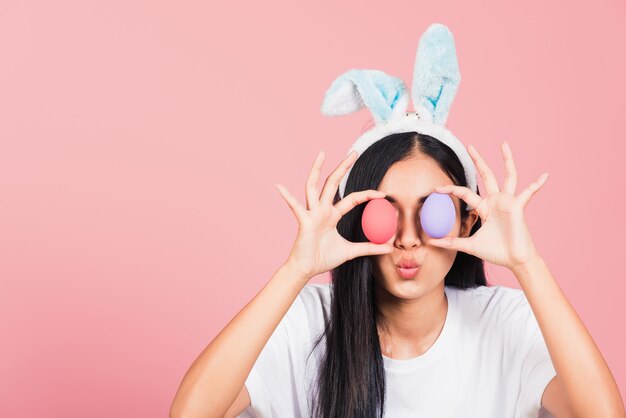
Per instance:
{"type": "Point", "coordinates": [384, 95]}
{"type": "Point", "coordinates": [436, 75]}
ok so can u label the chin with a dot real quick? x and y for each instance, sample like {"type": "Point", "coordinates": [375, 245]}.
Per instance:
{"type": "Point", "coordinates": [404, 288]}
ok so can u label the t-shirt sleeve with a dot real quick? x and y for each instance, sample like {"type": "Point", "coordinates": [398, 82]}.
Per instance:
{"type": "Point", "coordinates": [273, 381]}
{"type": "Point", "coordinates": [536, 366]}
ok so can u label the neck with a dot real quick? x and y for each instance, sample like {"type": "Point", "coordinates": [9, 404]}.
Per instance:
{"type": "Point", "coordinates": [410, 327]}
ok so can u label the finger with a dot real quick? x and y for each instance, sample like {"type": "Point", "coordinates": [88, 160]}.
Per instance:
{"type": "Point", "coordinates": [525, 195]}
{"type": "Point", "coordinates": [348, 203]}
{"type": "Point", "coordinates": [359, 249]}
{"type": "Point", "coordinates": [332, 182]}
{"type": "Point", "coordinates": [491, 184]}
{"type": "Point", "coordinates": [510, 179]}
{"type": "Point", "coordinates": [310, 190]}
{"type": "Point", "coordinates": [293, 203]}
{"type": "Point", "coordinates": [467, 195]}
{"type": "Point", "coordinates": [453, 243]}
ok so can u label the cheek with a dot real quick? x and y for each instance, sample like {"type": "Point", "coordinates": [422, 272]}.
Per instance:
{"type": "Point", "coordinates": [439, 260]}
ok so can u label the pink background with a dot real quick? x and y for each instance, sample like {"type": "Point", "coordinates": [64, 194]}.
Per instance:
{"type": "Point", "coordinates": [139, 150]}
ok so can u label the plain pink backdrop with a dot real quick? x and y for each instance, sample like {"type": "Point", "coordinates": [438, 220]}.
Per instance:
{"type": "Point", "coordinates": [140, 143]}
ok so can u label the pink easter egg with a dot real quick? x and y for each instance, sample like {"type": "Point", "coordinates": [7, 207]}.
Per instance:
{"type": "Point", "coordinates": [379, 221]}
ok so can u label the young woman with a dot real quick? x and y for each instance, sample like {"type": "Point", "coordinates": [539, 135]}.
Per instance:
{"type": "Point", "coordinates": [438, 343]}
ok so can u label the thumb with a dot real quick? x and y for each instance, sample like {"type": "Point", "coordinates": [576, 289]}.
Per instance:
{"type": "Point", "coordinates": [360, 249]}
{"type": "Point", "coordinates": [452, 243]}
{"type": "Point", "coordinates": [441, 242]}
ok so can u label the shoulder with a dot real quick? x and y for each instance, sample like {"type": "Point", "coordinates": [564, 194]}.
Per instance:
{"type": "Point", "coordinates": [309, 312]}
{"type": "Point", "coordinates": [496, 303]}
{"type": "Point", "coordinates": [316, 293]}
{"type": "Point", "coordinates": [489, 296]}
{"type": "Point", "coordinates": [315, 299]}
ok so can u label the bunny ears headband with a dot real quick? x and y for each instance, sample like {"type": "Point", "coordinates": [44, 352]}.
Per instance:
{"type": "Point", "coordinates": [436, 78]}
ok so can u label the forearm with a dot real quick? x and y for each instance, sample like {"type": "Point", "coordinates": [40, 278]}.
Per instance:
{"type": "Point", "coordinates": [587, 382]}
{"type": "Point", "coordinates": [216, 377]}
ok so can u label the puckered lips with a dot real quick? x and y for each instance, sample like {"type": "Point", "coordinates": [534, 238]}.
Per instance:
{"type": "Point", "coordinates": [408, 268]}
{"type": "Point", "coordinates": [408, 263]}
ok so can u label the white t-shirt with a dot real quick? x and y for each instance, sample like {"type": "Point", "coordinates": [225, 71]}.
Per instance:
{"type": "Point", "coordinates": [490, 360]}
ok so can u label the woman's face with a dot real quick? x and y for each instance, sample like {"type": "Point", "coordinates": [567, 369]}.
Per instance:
{"type": "Point", "coordinates": [407, 182]}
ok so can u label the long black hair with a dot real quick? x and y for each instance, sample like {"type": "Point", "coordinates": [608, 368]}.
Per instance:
{"type": "Point", "coordinates": [351, 376]}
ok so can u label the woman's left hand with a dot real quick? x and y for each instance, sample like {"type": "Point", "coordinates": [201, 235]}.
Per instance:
{"type": "Point", "coordinates": [503, 238]}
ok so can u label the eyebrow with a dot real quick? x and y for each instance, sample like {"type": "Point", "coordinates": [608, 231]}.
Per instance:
{"type": "Point", "coordinates": [393, 199]}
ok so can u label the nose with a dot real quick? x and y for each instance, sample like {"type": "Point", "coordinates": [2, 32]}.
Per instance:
{"type": "Point", "coordinates": [409, 233]}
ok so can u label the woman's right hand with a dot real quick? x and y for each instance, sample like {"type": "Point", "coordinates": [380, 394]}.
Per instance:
{"type": "Point", "coordinates": [319, 247]}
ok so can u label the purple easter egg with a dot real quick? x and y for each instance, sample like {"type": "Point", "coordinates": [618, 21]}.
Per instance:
{"type": "Point", "coordinates": [438, 215]}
